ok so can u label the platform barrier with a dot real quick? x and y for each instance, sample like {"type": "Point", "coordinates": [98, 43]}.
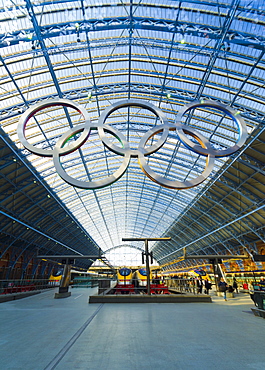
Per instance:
{"type": "Point", "coordinates": [25, 285]}
{"type": "Point", "coordinates": [153, 298]}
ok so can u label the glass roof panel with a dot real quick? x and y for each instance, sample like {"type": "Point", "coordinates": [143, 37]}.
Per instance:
{"type": "Point", "coordinates": [96, 53]}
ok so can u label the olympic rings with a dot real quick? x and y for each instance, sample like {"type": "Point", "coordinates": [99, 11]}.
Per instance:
{"type": "Point", "coordinates": [38, 107]}
{"type": "Point", "coordinates": [203, 150]}
{"type": "Point", "coordinates": [134, 103]}
{"type": "Point", "coordinates": [90, 184]}
{"type": "Point", "coordinates": [203, 147]}
{"type": "Point", "coordinates": [174, 184]}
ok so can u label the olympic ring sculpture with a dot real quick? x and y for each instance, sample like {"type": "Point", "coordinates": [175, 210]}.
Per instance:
{"type": "Point", "coordinates": [203, 147]}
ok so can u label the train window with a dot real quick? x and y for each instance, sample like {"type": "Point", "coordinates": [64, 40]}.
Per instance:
{"type": "Point", "coordinates": [143, 272]}
{"type": "Point", "coordinates": [124, 271]}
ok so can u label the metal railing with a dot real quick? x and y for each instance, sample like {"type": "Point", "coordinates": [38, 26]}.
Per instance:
{"type": "Point", "coordinates": [26, 285]}
{"type": "Point", "coordinates": [182, 285]}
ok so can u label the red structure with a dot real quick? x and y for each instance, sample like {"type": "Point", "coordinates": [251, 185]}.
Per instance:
{"type": "Point", "coordinates": [124, 289]}
{"type": "Point", "coordinates": [159, 289]}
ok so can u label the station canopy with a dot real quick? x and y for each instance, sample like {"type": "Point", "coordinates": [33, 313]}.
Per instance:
{"type": "Point", "coordinates": [165, 53]}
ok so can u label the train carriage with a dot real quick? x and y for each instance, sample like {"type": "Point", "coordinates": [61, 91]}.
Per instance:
{"type": "Point", "coordinates": [140, 277]}
{"type": "Point", "coordinates": [124, 276]}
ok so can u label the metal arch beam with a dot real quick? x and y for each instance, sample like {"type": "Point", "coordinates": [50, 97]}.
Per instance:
{"type": "Point", "coordinates": [246, 223]}
{"type": "Point", "coordinates": [158, 252]}
{"type": "Point", "coordinates": [38, 178]}
{"type": "Point", "coordinates": [11, 244]}
{"type": "Point", "coordinates": [148, 23]}
{"type": "Point", "coordinates": [123, 246]}
{"type": "Point", "coordinates": [228, 21]}
{"type": "Point", "coordinates": [208, 210]}
{"type": "Point", "coordinates": [14, 81]}
{"type": "Point", "coordinates": [33, 201]}
{"type": "Point", "coordinates": [209, 3]}
{"type": "Point", "coordinates": [220, 173]}
{"type": "Point", "coordinates": [49, 64]}
{"type": "Point", "coordinates": [213, 85]}
{"type": "Point", "coordinates": [257, 166]}
{"type": "Point", "coordinates": [216, 202]}
{"type": "Point", "coordinates": [137, 188]}
{"type": "Point", "coordinates": [218, 229]}
{"type": "Point", "coordinates": [27, 243]}
{"type": "Point", "coordinates": [259, 58]}
{"type": "Point", "coordinates": [24, 208]}
{"type": "Point", "coordinates": [248, 113]}
{"type": "Point", "coordinates": [95, 87]}
{"type": "Point", "coordinates": [39, 37]}
{"type": "Point", "coordinates": [215, 249]}
{"type": "Point", "coordinates": [110, 212]}
{"type": "Point", "coordinates": [38, 231]}
{"type": "Point", "coordinates": [224, 242]}
{"type": "Point", "coordinates": [160, 100]}
{"type": "Point", "coordinates": [216, 246]}
{"type": "Point", "coordinates": [138, 57]}
{"type": "Point", "coordinates": [148, 200]}
{"type": "Point", "coordinates": [235, 188]}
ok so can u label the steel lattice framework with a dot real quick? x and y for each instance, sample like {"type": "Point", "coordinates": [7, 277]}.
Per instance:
{"type": "Point", "coordinates": [168, 53]}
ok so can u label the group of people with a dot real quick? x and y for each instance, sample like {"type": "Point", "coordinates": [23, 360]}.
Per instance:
{"type": "Point", "coordinates": [224, 287]}
{"type": "Point", "coordinates": [203, 284]}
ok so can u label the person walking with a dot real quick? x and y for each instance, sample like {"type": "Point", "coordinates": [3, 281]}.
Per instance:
{"type": "Point", "coordinates": [223, 287]}
{"type": "Point", "coordinates": [251, 291]}
{"type": "Point", "coordinates": [199, 285]}
{"type": "Point", "coordinates": [235, 286]}
{"type": "Point", "coordinates": [207, 286]}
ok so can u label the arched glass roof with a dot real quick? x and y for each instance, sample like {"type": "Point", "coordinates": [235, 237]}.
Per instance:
{"type": "Point", "coordinates": [97, 53]}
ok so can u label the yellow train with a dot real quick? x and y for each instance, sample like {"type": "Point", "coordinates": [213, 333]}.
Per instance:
{"type": "Point", "coordinates": [140, 277]}
{"type": "Point", "coordinates": [124, 276]}
{"type": "Point", "coordinates": [194, 273]}
{"type": "Point", "coordinates": [199, 273]}
{"type": "Point", "coordinates": [57, 277]}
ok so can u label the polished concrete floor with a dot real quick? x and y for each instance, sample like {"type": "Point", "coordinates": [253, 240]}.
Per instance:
{"type": "Point", "coordinates": [41, 332]}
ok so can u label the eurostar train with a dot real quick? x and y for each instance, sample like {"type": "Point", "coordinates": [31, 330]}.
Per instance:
{"type": "Point", "coordinates": [84, 279]}
{"type": "Point", "coordinates": [140, 277]}
{"type": "Point", "coordinates": [56, 278]}
{"type": "Point", "coordinates": [199, 273]}
{"type": "Point", "coordinates": [195, 273]}
{"type": "Point", "coordinates": [124, 276]}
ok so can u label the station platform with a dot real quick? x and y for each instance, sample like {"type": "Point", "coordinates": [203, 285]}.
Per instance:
{"type": "Point", "coordinates": [43, 333]}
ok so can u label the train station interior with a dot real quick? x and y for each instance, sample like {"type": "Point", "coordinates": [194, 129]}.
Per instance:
{"type": "Point", "coordinates": [132, 184]}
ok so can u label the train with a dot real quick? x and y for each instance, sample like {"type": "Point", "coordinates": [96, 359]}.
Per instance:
{"type": "Point", "coordinates": [194, 273]}
{"type": "Point", "coordinates": [84, 279]}
{"type": "Point", "coordinates": [77, 278]}
{"type": "Point", "coordinates": [56, 278]}
{"type": "Point", "coordinates": [199, 273]}
{"type": "Point", "coordinates": [134, 282]}
{"type": "Point", "coordinates": [140, 277]}
{"type": "Point", "coordinates": [124, 276]}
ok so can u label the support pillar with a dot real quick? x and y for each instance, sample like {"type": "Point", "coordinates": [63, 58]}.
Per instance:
{"type": "Point", "coordinates": [147, 266]}
{"type": "Point", "coordinates": [64, 286]}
